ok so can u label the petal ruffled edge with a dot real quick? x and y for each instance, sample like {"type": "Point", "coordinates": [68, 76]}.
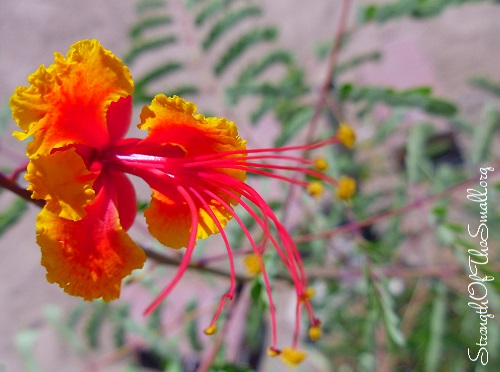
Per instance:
{"type": "Point", "coordinates": [175, 121]}
{"type": "Point", "coordinates": [67, 101]}
{"type": "Point", "coordinates": [63, 181]}
{"type": "Point", "coordinates": [88, 258]}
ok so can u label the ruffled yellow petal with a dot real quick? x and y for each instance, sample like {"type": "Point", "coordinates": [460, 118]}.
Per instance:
{"type": "Point", "coordinates": [63, 181]}
{"type": "Point", "coordinates": [169, 220]}
{"type": "Point", "coordinates": [66, 102]}
{"type": "Point", "coordinates": [88, 258]}
{"type": "Point", "coordinates": [175, 122]}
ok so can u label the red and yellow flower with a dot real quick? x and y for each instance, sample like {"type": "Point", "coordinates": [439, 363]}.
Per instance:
{"type": "Point", "coordinates": [77, 112]}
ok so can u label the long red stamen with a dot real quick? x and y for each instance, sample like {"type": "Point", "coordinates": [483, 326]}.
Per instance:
{"type": "Point", "coordinates": [187, 256]}
{"type": "Point", "coordinates": [297, 324]}
{"type": "Point", "coordinates": [310, 146]}
{"type": "Point", "coordinates": [253, 196]}
{"type": "Point", "coordinates": [228, 181]}
{"type": "Point", "coordinates": [308, 171]}
{"type": "Point", "coordinates": [261, 264]}
{"type": "Point", "coordinates": [292, 261]}
{"type": "Point", "coordinates": [202, 163]}
{"type": "Point", "coordinates": [229, 295]}
{"type": "Point", "coordinates": [206, 173]}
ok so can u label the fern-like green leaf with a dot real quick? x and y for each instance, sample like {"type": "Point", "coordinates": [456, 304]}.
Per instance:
{"type": "Point", "coordinates": [407, 8]}
{"type": "Point", "coordinates": [416, 160]}
{"type": "Point", "coordinates": [436, 330]}
{"type": "Point", "coordinates": [95, 323]}
{"type": "Point", "coordinates": [390, 317]}
{"type": "Point", "coordinates": [487, 85]}
{"type": "Point", "coordinates": [145, 5]}
{"type": "Point", "coordinates": [182, 91]}
{"type": "Point", "coordinates": [236, 49]}
{"type": "Point", "coordinates": [148, 23]}
{"type": "Point", "coordinates": [289, 87]}
{"type": "Point", "coordinates": [357, 61]}
{"type": "Point", "coordinates": [54, 315]}
{"type": "Point", "coordinates": [235, 93]}
{"type": "Point", "coordinates": [5, 116]}
{"type": "Point", "coordinates": [141, 46]}
{"type": "Point", "coordinates": [25, 342]}
{"type": "Point", "coordinates": [157, 73]}
{"type": "Point", "coordinates": [121, 315]}
{"type": "Point", "coordinates": [212, 8]}
{"type": "Point", "coordinates": [227, 22]}
{"type": "Point", "coordinates": [75, 316]}
{"type": "Point", "coordinates": [253, 70]}
{"type": "Point", "coordinates": [301, 116]}
{"type": "Point", "coordinates": [190, 4]}
{"type": "Point", "coordinates": [483, 135]}
{"type": "Point", "coordinates": [419, 97]}
{"type": "Point", "coordinates": [266, 105]}
{"type": "Point", "coordinates": [12, 214]}
{"type": "Point", "coordinates": [192, 327]}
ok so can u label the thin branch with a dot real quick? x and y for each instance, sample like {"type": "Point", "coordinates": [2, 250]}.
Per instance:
{"type": "Point", "coordinates": [325, 90]}
{"type": "Point", "coordinates": [198, 265]}
{"type": "Point", "coordinates": [332, 65]}
{"type": "Point", "coordinates": [434, 271]}
{"type": "Point", "coordinates": [395, 212]}
{"type": "Point", "coordinates": [313, 272]}
{"type": "Point", "coordinates": [8, 184]}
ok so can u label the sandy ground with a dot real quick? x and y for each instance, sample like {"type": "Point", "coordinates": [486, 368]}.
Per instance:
{"type": "Point", "coordinates": [444, 52]}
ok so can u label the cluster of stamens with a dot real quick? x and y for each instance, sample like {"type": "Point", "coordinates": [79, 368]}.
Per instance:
{"type": "Point", "coordinates": [203, 180]}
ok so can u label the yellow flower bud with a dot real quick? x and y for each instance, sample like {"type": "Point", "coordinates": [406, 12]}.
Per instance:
{"type": "Point", "coordinates": [252, 264]}
{"type": "Point", "coordinates": [320, 164]}
{"type": "Point", "coordinates": [315, 188]}
{"type": "Point", "coordinates": [346, 135]}
{"type": "Point", "coordinates": [346, 188]}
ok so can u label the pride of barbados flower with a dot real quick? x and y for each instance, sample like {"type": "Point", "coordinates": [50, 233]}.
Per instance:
{"type": "Point", "coordinates": [77, 112]}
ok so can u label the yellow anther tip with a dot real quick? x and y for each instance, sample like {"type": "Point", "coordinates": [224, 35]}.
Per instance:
{"type": "Point", "coordinates": [315, 188]}
{"type": "Point", "coordinates": [314, 333]}
{"type": "Point", "coordinates": [252, 264]}
{"type": "Point", "coordinates": [320, 164]}
{"type": "Point", "coordinates": [272, 352]}
{"type": "Point", "coordinates": [292, 357]}
{"type": "Point", "coordinates": [346, 188]}
{"type": "Point", "coordinates": [211, 330]}
{"type": "Point", "coordinates": [310, 292]}
{"type": "Point", "coordinates": [346, 135]}
{"type": "Point", "coordinates": [307, 294]}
